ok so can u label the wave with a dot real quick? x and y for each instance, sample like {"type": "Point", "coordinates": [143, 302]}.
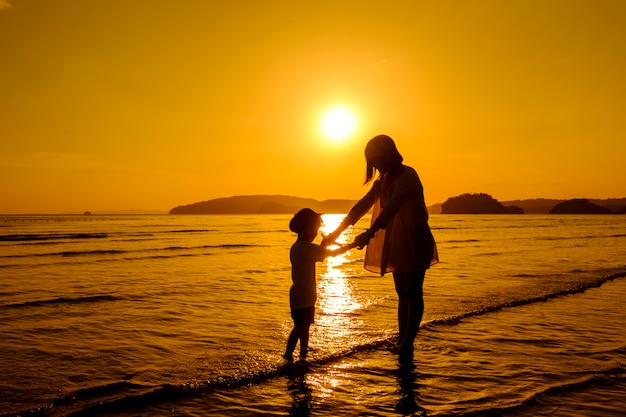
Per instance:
{"type": "Point", "coordinates": [600, 378]}
{"type": "Point", "coordinates": [129, 253]}
{"type": "Point", "coordinates": [266, 271]}
{"type": "Point", "coordinates": [460, 241]}
{"type": "Point", "coordinates": [489, 254]}
{"type": "Point", "coordinates": [524, 301]}
{"type": "Point", "coordinates": [550, 238]}
{"type": "Point", "coordinates": [122, 396]}
{"type": "Point", "coordinates": [64, 300]}
{"type": "Point", "coordinates": [51, 236]}
{"type": "Point", "coordinates": [135, 258]}
{"type": "Point", "coordinates": [79, 403]}
{"type": "Point", "coordinates": [463, 227]}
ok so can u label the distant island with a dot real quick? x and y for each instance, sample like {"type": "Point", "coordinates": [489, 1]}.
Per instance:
{"type": "Point", "coordinates": [478, 203]}
{"type": "Point", "coordinates": [579, 206]}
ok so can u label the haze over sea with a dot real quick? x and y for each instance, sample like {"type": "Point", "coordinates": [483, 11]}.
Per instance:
{"type": "Point", "coordinates": [188, 315]}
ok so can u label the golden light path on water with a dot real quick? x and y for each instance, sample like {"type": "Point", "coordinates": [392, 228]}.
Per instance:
{"type": "Point", "coordinates": [337, 301]}
{"type": "Point", "coordinates": [337, 304]}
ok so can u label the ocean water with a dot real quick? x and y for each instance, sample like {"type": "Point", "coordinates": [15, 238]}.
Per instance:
{"type": "Point", "coordinates": [188, 315]}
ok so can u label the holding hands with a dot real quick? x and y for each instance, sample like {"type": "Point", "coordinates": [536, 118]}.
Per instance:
{"type": "Point", "coordinates": [330, 238]}
{"type": "Point", "coordinates": [359, 242]}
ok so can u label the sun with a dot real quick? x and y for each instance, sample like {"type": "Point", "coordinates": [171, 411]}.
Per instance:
{"type": "Point", "coordinates": [338, 123]}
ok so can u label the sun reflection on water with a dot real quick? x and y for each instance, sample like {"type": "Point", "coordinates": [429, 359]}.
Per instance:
{"type": "Point", "coordinates": [326, 382]}
{"type": "Point", "coordinates": [338, 302]}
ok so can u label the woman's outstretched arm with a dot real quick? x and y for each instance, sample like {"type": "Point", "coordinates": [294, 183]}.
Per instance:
{"type": "Point", "coordinates": [356, 212]}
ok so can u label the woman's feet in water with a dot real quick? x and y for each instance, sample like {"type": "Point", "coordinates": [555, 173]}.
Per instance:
{"type": "Point", "coordinates": [404, 350]}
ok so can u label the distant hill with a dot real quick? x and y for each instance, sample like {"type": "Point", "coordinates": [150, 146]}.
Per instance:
{"type": "Point", "coordinates": [534, 206]}
{"type": "Point", "coordinates": [280, 204]}
{"type": "Point", "coordinates": [479, 203]}
{"type": "Point", "coordinates": [544, 205]}
{"type": "Point", "coordinates": [616, 205]}
{"type": "Point", "coordinates": [579, 206]}
{"type": "Point", "coordinates": [263, 204]}
{"type": "Point", "coordinates": [435, 208]}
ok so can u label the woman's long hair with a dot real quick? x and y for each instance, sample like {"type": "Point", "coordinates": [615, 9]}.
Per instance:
{"type": "Point", "coordinates": [381, 147]}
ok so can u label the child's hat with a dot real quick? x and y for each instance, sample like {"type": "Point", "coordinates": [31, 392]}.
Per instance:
{"type": "Point", "coordinates": [302, 219]}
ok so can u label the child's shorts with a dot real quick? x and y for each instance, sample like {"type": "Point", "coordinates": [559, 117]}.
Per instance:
{"type": "Point", "coordinates": [303, 315]}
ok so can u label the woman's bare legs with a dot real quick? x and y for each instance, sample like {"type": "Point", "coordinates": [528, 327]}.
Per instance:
{"type": "Point", "coordinates": [403, 305]}
{"type": "Point", "coordinates": [409, 287]}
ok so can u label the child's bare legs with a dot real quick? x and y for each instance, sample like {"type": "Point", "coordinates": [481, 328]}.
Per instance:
{"type": "Point", "coordinates": [410, 307]}
{"type": "Point", "coordinates": [304, 341]}
{"type": "Point", "coordinates": [299, 332]}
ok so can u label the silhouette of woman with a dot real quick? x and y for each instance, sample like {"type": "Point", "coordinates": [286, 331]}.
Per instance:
{"type": "Point", "coordinates": [399, 239]}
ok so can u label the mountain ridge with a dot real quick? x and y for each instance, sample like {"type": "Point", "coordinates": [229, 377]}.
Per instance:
{"type": "Point", "coordinates": [263, 204]}
{"type": "Point", "coordinates": [285, 204]}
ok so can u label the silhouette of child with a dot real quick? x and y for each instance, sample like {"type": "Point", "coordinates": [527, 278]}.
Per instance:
{"type": "Point", "coordinates": [303, 293]}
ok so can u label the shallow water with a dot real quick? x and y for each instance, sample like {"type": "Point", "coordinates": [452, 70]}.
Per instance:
{"type": "Point", "coordinates": [560, 357]}
{"type": "Point", "coordinates": [189, 314]}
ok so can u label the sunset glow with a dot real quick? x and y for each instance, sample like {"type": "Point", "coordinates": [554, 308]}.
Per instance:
{"type": "Point", "coordinates": [122, 105]}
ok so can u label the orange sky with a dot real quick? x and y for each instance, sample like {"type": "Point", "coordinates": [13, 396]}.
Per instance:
{"type": "Point", "coordinates": [118, 104]}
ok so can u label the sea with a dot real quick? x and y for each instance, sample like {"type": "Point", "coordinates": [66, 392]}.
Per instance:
{"type": "Point", "coordinates": [188, 315]}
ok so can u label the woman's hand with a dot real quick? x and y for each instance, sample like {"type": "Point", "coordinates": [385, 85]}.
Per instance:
{"type": "Point", "coordinates": [363, 239]}
{"type": "Point", "coordinates": [330, 238]}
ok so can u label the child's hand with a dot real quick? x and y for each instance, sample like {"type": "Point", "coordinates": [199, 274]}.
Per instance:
{"type": "Point", "coordinates": [329, 239]}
